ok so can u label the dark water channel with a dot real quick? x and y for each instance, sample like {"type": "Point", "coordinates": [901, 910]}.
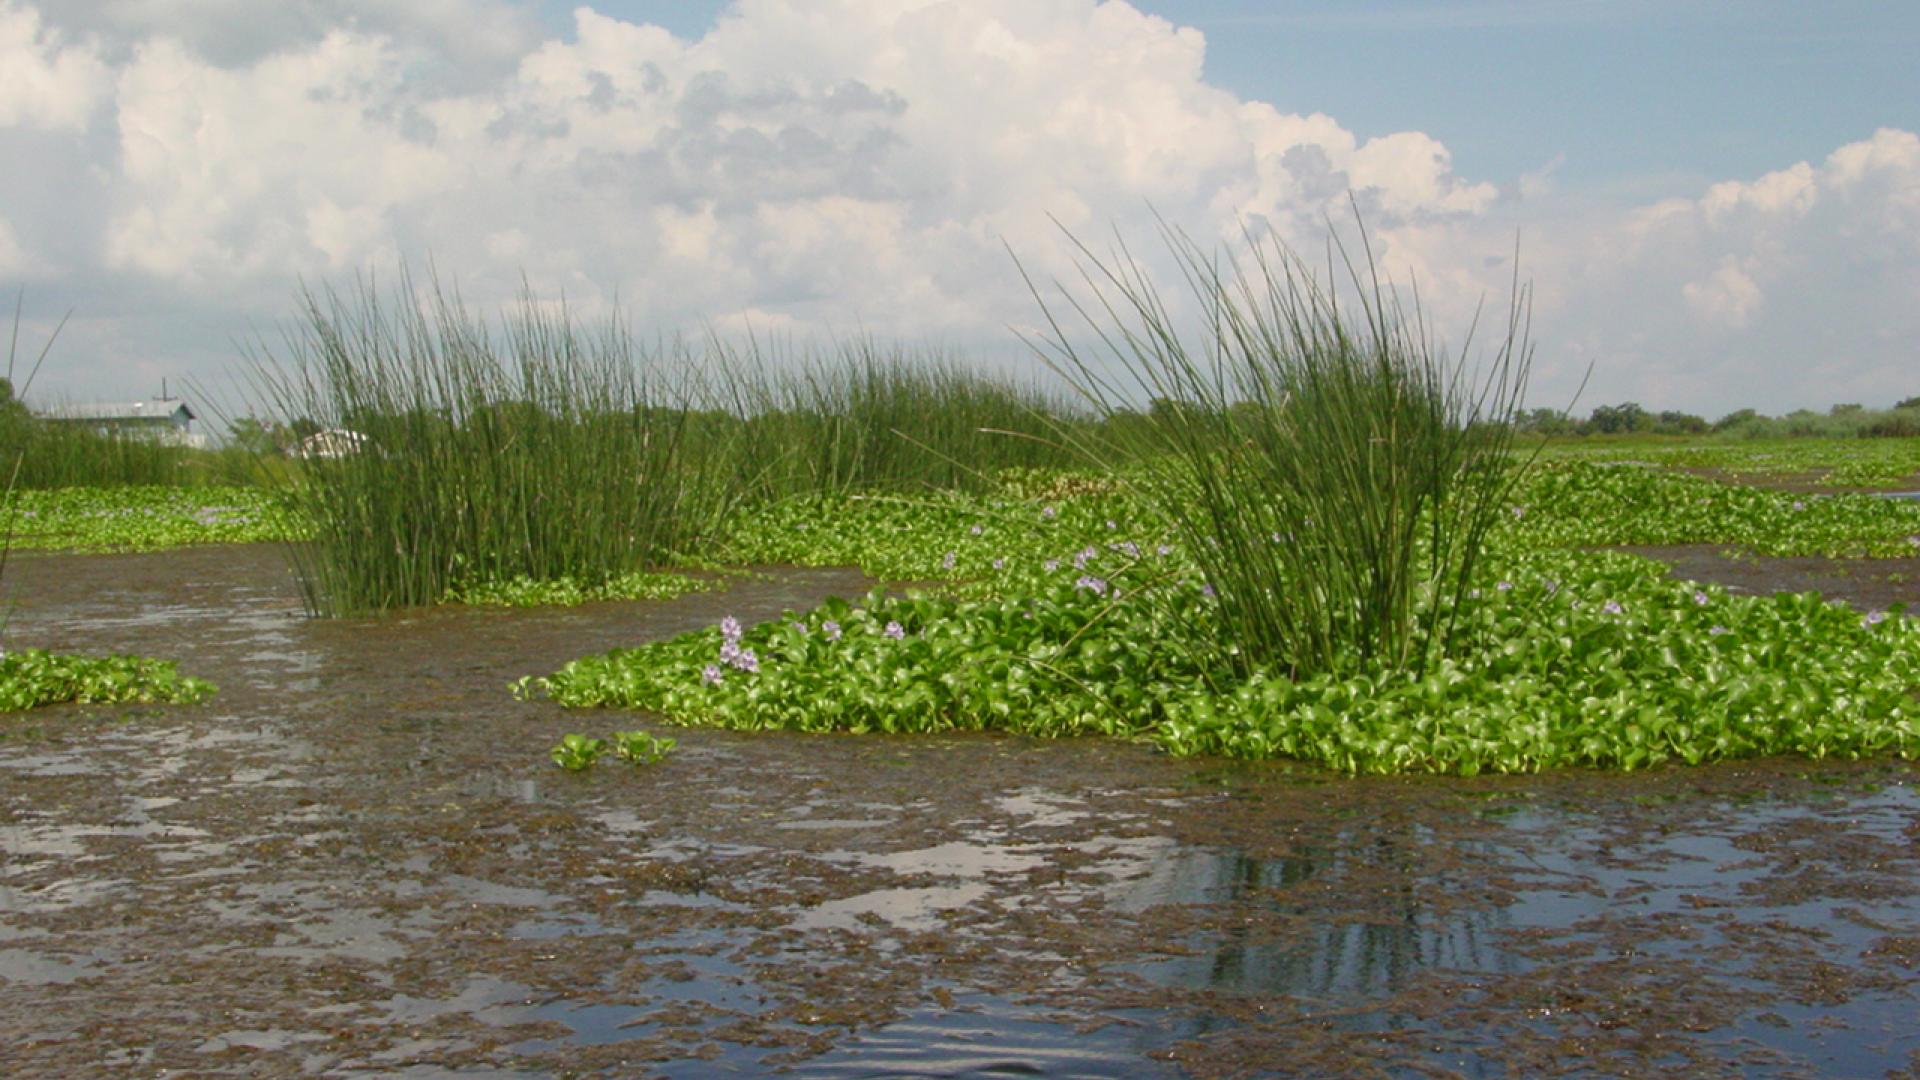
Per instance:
{"type": "Point", "coordinates": [356, 860]}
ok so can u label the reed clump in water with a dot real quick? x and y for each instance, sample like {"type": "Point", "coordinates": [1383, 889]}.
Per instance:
{"type": "Point", "coordinates": [1334, 474]}
{"type": "Point", "coordinates": [459, 455]}
{"type": "Point", "coordinates": [454, 455]}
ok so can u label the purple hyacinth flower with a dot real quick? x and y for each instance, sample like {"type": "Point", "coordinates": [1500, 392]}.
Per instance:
{"type": "Point", "coordinates": [1700, 597]}
{"type": "Point", "coordinates": [1088, 581]}
{"type": "Point", "coordinates": [746, 661]}
{"type": "Point", "coordinates": [1612, 607]}
{"type": "Point", "coordinates": [730, 628]}
{"type": "Point", "coordinates": [711, 674]}
{"type": "Point", "coordinates": [831, 629]}
{"type": "Point", "coordinates": [895, 631]}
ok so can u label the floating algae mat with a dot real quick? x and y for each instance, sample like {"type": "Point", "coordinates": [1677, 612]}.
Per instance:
{"type": "Point", "coordinates": [357, 858]}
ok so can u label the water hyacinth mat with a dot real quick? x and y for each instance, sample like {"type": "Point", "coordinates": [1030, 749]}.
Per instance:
{"type": "Point", "coordinates": [30, 678]}
{"type": "Point", "coordinates": [1575, 658]}
{"type": "Point", "coordinates": [146, 518]}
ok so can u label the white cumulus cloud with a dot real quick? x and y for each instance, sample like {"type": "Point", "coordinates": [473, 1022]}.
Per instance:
{"type": "Point", "coordinates": [1792, 289]}
{"type": "Point", "coordinates": [45, 80]}
{"type": "Point", "coordinates": [854, 165]}
{"type": "Point", "coordinates": [453, 42]}
{"type": "Point", "coordinates": [14, 261]}
{"type": "Point", "coordinates": [836, 161]}
{"type": "Point", "coordinates": [1728, 296]}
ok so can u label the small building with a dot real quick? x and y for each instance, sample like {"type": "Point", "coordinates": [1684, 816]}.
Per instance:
{"type": "Point", "coordinates": [331, 443]}
{"type": "Point", "coordinates": [164, 419]}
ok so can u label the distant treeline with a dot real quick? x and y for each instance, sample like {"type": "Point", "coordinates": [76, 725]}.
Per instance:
{"type": "Point", "coordinates": [1839, 422]}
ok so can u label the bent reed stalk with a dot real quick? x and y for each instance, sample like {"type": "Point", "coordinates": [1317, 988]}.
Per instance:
{"type": "Point", "coordinates": [1333, 474]}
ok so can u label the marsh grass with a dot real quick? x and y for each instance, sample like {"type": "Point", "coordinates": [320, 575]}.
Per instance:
{"type": "Point", "coordinates": [1332, 472]}
{"type": "Point", "coordinates": [43, 454]}
{"type": "Point", "coordinates": [61, 455]}
{"type": "Point", "coordinates": [544, 451]}
{"type": "Point", "coordinates": [862, 416]}
{"type": "Point", "coordinates": [547, 451]}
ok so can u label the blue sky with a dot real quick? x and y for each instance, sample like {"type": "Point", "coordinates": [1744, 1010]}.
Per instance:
{"type": "Point", "coordinates": [1628, 92]}
{"type": "Point", "coordinates": [1639, 96]}
{"type": "Point", "coordinates": [1717, 203]}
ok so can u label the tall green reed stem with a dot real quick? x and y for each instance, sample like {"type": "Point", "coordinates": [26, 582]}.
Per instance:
{"type": "Point", "coordinates": [1334, 474]}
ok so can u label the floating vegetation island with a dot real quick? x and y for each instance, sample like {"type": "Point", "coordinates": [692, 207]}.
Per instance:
{"type": "Point", "coordinates": [1303, 536]}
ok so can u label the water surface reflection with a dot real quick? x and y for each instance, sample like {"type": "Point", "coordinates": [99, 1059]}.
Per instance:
{"type": "Point", "coordinates": [356, 858]}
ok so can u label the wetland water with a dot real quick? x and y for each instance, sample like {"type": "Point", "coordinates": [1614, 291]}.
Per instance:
{"type": "Point", "coordinates": [356, 859]}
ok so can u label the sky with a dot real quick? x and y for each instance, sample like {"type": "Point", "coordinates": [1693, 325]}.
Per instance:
{"type": "Point", "coordinates": [1716, 204]}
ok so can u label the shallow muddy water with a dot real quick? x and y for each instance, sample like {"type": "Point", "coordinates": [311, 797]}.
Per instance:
{"type": "Point", "coordinates": [356, 859]}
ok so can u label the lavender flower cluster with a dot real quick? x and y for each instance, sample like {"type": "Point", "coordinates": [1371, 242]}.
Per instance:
{"type": "Point", "coordinates": [737, 657]}
{"type": "Point", "coordinates": [731, 654]}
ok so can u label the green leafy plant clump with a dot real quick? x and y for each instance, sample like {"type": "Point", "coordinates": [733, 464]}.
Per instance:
{"type": "Point", "coordinates": [33, 677]}
{"type": "Point", "coordinates": [642, 748]}
{"type": "Point", "coordinates": [524, 591]}
{"type": "Point", "coordinates": [951, 537]}
{"type": "Point", "coordinates": [893, 664]}
{"type": "Point", "coordinates": [1835, 462]}
{"type": "Point", "coordinates": [578, 753]}
{"type": "Point", "coordinates": [1595, 660]}
{"type": "Point", "coordinates": [1584, 504]}
{"type": "Point", "coordinates": [148, 518]}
